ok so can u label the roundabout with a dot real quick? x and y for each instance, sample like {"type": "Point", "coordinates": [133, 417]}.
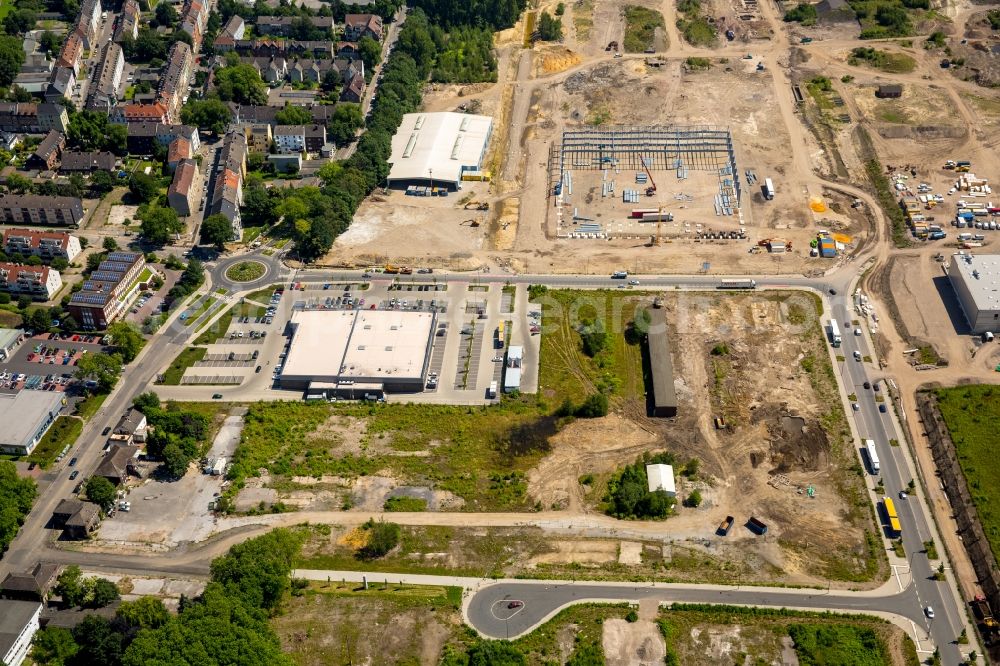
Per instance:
{"type": "Point", "coordinates": [246, 271]}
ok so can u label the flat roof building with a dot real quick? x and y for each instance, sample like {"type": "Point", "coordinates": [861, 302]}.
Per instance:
{"type": "Point", "coordinates": [26, 416]}
{"type": "Point", "coordinates": [36, 210]}
{"type": "Point", "coordinates": [976, 280]}
{"type": "Point", "coordinates": [10, 340]}
{"type": "Point", "coordinates": [661, 477]}
{"type": "Point", "coordinates": [661, 364]}
{"type": "Point", "coordinates": [387, 350]}
{"type": "Point", "coordinates": [437, 148]}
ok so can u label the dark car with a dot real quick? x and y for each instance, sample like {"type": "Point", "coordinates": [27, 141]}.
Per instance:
{"type": "Point", "coordinates": [258, 369]}
{"type": "Point", "coordinates": [833, 292]}
{"type": "Point", "coordinates": [881, 407]}
{"type": "Point", "coordinates": [868, 385]}
{"type": "Point", "coordinates": [72, 462]}
{"type": "Point", "coordinates": [104, 433]}
{"type": "Point", "coordinates": [515, 604]}
{"type": "Point", "coordinates": [75, 473]}
{"type": "Point", "coordinates": [217, 396]}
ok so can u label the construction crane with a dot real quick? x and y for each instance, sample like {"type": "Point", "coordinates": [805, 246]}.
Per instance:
{"type": "Point", "coordinates": [658, 238]}
{"type": "Point", "coordinates": [651, 190]}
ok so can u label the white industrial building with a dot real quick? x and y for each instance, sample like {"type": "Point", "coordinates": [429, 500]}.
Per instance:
{"type": "Point", "coordinates": [976, 280]}
{"type": "Point", "coordinates": [358, 353]}
{"type": "Point", "coordinates": [27, 416]}
{"type": "Point", "coordinates": [437, 148]}
{"type": "Point", "coordinates": [661, 477]}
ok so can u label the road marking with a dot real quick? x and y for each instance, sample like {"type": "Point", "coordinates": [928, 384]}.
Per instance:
{"type": "Point", "coordinates": [493, 607]}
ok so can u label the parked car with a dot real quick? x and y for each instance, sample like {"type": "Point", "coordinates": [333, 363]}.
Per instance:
{"type": "Point", "coordinates": [72, 462]}
{"type": "Point", "coordinates": [75, 473]}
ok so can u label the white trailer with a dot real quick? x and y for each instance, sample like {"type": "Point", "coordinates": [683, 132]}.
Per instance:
{"type": "Point", "coordinates": [873, 463]}
{"type": "Point", "coordinates": [834, 333]}
{"type": "Point", "coordinates": [768, 189]}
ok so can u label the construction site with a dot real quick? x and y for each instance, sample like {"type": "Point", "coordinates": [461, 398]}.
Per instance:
{"type": "Point", "coordinates": [645, 182]}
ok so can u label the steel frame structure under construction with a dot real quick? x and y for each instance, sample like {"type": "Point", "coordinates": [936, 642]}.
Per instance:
{"type": "Point", "coordinates": [665, 148]}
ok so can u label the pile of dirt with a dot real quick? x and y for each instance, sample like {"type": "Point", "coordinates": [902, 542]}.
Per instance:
{"type": "Point", "coordinates": [797, 443]}
{"type": "Point", "coordinates": [555, 59]}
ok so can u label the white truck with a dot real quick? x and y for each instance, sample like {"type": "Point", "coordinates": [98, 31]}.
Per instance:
{"type": "Point", "coordinates": [768, 189]}
{"type": "Point", "coordinates": [873, 463]}
{"type": "Point", "coordinates": [834, 333]}
{"type": "Point", "coordinates": [492, 392]}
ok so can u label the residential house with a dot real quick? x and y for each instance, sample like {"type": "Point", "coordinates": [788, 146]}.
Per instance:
{"type": "Point", "coordinates": [290, 139]}
{"type": "Point", "coordinates": [285, 26]}
{"type": "Point", "coordinates": [193, 21]}
{"type": "Point", "coordinates": [107, 293]}
{"type": "Point", "coordinates": [46, 156]}
{"type": "Point", "coordinates": [32, 585]}
{"type": "Point", "coordinates": [173, 87]}
{"type": "Point", "coordinates": [234, 29]}
{"type": "Point", "coordinates": [131, 427]}
{"type": "Point", "coordinates": [179, 149]}
{"type": "Point", "coordinates": [52, 117]}
{"type": "Point", "coordinates": [286, 47]}
{"type": "Point", "coordinates": [182, 193]}
{"type": "Point", "coordinates": [88, 22]}
{"type": "Point", "coordinates": [889, 91]}
{"type": "Point", "coordinates": [124, 114]}
{"type": "Point", "coordinates": [46, 245]}
{"type": "Point", "coordinates": [9, 141]}
{"type": "Point", "coordinates": [143, 137]}
{"type": "Point", "coordinates": [357, 26]}
{"type": "Point", "coordinates": [354, 89]}
{"type": "Point", "coordinates": [87, 162]}
{"type": "Point", "coordinates": [37, 210]}
{"type": "Point", "coordinates": [272, 69]}
{"type": "Point", "coordinates": [19, 621]}
{"type": "Point", "coordinates": [107, 79]}
{"type": "Point", "coordinates": [39, 282]}
{"type": "Point", "coordinates": [61, 84]}
{"type": "Point", "coordinates": [258, 137]}
{"type": "Point", "coordinates": [119, 463]}
{"type": "Point", "coordinates": [315, 138]}
{"type": "Point", "coordinates": [348, 50]}
{"type": "Point", "coordinates": [77, 519]}
{"type": "Point", "coordinates": [128, 22]}
{"type": "Point", "coordinates": [71, 53]}
{"type": "Point", "coordinates": [19, 118]}
{"type": "Point", "coordinates": [234, 154]}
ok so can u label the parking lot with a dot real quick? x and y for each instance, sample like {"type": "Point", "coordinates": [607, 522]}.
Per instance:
{"type": "Point", "coordinates": [46, 362]}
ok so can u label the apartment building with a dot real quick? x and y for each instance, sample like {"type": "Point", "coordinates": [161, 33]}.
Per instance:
{"type": "Point", "coordinates": [39, 282]}
{"type": "Point", "coordinates": [107, 293]}
{"type": "Point", "coordinates": [107, 79]}
{"type": "Point", "coordinates": [144, 137]}
{"type": "Point", "coordinates": [48, 152]}
{"type": "Point", "coordinates": [227, 186]}
{"type": "Point", "coordinates": [46, 245]}
{"type": "Point", "coordinates": [36, 210]}
{"type": "Point", "coordinates": [284, 26]}
{"type": "Point", "coordinates": [128, 22]}
{"type": "Point", "coordinates": [182, 193]}
{"type": "Point", "coordinates": [175, 79]}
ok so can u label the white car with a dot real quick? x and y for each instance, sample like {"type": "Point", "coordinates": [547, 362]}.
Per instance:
{"type": "Point", "coordinates": [857, 331]}
{"type": "Point", "coordinates": [633, 282]}
{"type": "Point", "coordinates": [929, 612]}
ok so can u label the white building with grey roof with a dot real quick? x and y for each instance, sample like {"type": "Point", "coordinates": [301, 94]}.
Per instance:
{"type": "Point", "coordinates": [976, 280]}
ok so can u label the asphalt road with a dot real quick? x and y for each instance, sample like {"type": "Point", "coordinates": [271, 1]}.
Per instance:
{"type": "Point", "coordinates": [490, 613]}
{"type": "Point", "coordinates": [487, 611]}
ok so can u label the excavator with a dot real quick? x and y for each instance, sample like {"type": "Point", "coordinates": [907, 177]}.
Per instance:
{"type": "Point", "coordinates": [477, 205]}
{"type": "Point", "coordinates": [651, 190]}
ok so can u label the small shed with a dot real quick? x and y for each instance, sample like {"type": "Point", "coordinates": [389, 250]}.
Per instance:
{"type": "Point", "coordinates": [661, 477]}
{"type": "Point", "coordinates": [889, 91]}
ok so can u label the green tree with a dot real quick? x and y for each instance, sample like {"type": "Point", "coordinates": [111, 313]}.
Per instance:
{"type": "Point", "coordinates": [100, 491]}
{"type": "Point", "coordinates": [549, 29]}
{"type": "Point", "coordinates": [11, 59]}
{"type": "Point", "coordinates": [345, 122]}
{"type": "Point", "coordinates": [803, 13]}
{"type": "Point", "coordinates": [217, 230]}
{"type": "Point", "coordinates": [103, 592]}
{"type": "Point", "coordinates": [16, 497]}
{"type": "Point", "coordinates": [258, 571]}
{"type": "Point", "coordinates": [143, 613]}
{"type": "Point", "coordinates": [70, 586]}
{"type": "Point", "coordinates": [99, 642]}
{"type": "Point", "coordinates": [105, 369]}
{"type": "Point", "coordinates": [293, 115]}
{"type": "Point", "coordinates": [594, 406]}
{"type": "Point", "coordinates": [209, 114]}
{"type": "Point", "coordinates": [259, 207]}
{"type": "Point", "coordinates": [241, 84]}
{"type": "Point", "coordinates": [147, 402]}
{"type": "Point", "coordinates": [594, 337]}
{"type": "Point", "coordinates": [50, 42]}
{"type": "Point", "coordinates": [166, 15]}
{"type": "Point", "coordinates": [370, 52]}
{"type": "Point", "coordinates": [101, 182]}
{"type": "Point", "coordinates": [175, 461]}
{"type": "Point", "coordinates": [159, 224]}
{"type": "Point", "coordinates": [54, 646]}
{"type": "Point", "coordinates": [110, 244]}
{"type": "Point", "coordinates": [19, 184]}
{"type": "Point", "coordinates": [126, 339]}
{"type": "Point", "coordinates": [143, 187]}
{"type": "Point", "coordinates": [41, 319]}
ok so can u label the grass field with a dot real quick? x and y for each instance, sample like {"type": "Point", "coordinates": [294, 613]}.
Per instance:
{"type": "Point", "coordinates": [206, 303]}
{"type": "Point", "coordinates": [5, 7]}
{"type": "Point", "coordinates": [62, 433]}
{"type": "Point", "coordinates": [87, 407]}
{"type": "Point", "coordinates": [640, 28]}
{"type": "Point", "coordinates": [187, 358]}
{"type": "Point", "coordinates": [971, 414]}
{"type": "Point", "coordinates": [886, 61]}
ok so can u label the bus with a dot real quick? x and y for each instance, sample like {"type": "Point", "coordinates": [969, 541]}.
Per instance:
{"type": "Point", "coordinates": [501, 334]}
{"type": "Point", "coordinates": [895, 529]}
{"type": "Point", "coordinates": [873, 463]}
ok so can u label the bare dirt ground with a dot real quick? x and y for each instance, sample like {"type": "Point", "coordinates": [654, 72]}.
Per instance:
{"type": "Point", "coordinates": [772, 450]}
{"type": "Point", "coordinates": [632, 643]}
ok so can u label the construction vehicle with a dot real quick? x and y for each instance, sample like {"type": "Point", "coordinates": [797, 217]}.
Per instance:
{"type": "Point", "coordinates": [612, 46]}
{"type": "Point", "coordinates": [390, 269]}
{"type": "Point", "coordinates": [651, 190]}
{"type": "Point", "coordinates": [989, 626]}
{"type": "Point", "coordinates": [725, 526]}
{"type": "Point", "coordinates": [477, 205]}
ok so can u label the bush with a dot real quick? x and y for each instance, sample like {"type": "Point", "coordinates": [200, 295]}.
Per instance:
{"type": "Point", "coordinates": [802, 13]}
{"type": "Point", "coordinates": [382, 537]}
{"type": "Point", "coordinates": [632, 616]}
{"type": "Point", "coordinates": [596, 405]}
{"type": "Point", "coordinates": [594, 337]}
{"type": "Point", "coordinates": [693, 500]}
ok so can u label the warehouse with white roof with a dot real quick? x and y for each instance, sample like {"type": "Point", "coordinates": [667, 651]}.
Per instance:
{"type": "Point", "coordinates": [358, 353]}
{"type": "Point", "coordinates": [437, 148]}
{"type": "Point", "coordinates": [976, 280]}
